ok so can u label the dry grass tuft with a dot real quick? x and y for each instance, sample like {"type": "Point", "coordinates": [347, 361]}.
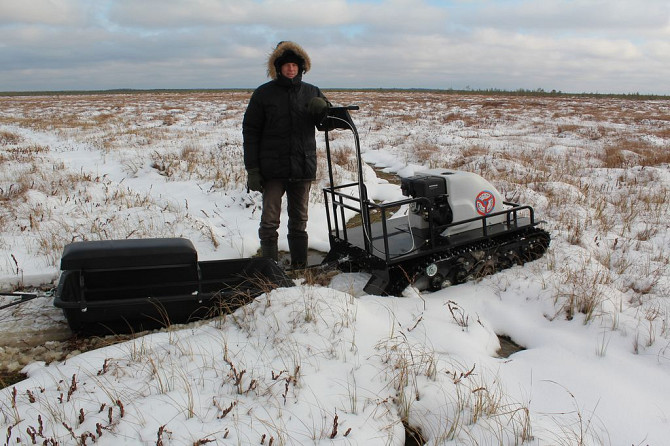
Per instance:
{"type": "Point", "coordinates": [8, 138]}
{"type": "Point", "coordinates": [426, 153]}
{"type": "Point", "coordinates": [628, 152]}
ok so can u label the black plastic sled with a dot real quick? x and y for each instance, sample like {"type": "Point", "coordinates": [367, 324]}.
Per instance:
{"type": "Point", "coordinates": [121, 286]}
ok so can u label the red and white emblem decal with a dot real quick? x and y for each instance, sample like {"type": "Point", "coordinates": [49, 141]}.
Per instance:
{"type": "Point", "coordinates": [485, 202]}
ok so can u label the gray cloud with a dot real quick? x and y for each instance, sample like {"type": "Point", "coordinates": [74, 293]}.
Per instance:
{"type": "Point", "coordinates": [573, 15]}
{"type": "Point", "coordinates": [576, 45]}
{"type": "Point", "coordinates": [45, 12]}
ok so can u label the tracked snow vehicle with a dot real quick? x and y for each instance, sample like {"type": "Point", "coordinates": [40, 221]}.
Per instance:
{"type": "Point", "coordinates": [453, 226]}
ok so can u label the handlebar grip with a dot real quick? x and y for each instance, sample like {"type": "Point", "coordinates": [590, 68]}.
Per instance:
{"type": "Point", "coordinates": [345, 107]}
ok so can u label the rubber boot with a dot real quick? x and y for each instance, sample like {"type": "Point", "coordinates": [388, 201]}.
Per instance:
{"type": "Point", "coordinates": [298, 249]}
{"type": "Point", "coordinates": [269, 249]}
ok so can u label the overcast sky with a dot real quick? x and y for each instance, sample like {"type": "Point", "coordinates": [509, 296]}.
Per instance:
{"type": "Point", "coordinates": [599, 46]}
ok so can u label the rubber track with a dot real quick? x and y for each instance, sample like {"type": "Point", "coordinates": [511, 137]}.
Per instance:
{"type": "Point", "coordinates": [527, 245]}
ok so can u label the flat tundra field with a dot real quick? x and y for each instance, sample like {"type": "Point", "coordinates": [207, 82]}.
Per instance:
{"type": "Point", "coordinates": [593, 313]}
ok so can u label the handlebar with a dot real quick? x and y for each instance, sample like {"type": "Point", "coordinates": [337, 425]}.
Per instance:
{"type": "Point", "coordinates": [345, 107]}
{"type": "Point", "coordinates": [338, 118]}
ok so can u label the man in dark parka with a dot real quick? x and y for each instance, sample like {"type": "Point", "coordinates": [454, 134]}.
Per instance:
{"type": "Point", "coordinates": [280, 147]}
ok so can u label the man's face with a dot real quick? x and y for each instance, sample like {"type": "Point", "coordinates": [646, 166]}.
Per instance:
{"type": "Point", "coordinates": [289, 70]}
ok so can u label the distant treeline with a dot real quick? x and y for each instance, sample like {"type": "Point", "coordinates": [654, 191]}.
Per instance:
{"type": "Point", "coordinates": [489, 91]}
{"type": "Point", "coordinates": [519, 92]}
{"type": "Point", "coordinates": [119, 91]}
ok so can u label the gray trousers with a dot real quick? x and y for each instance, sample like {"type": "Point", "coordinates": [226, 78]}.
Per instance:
{"type": "Point", "coordinates": [297, 199]}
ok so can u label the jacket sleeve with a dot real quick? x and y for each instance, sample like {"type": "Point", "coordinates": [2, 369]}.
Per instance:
{"type": "Point", "coordinates": [319, 120]}
{"type": "Point", "coordinates": [321, 95]}
{"type": "Point", "coordinates": [252, 129]}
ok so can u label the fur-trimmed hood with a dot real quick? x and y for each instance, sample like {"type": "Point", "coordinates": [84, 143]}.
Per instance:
{"type": "Point", "coordinates": [280, 51]}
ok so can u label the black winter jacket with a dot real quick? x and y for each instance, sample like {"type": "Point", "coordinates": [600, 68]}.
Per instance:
{"type": "Point", "coordinates": [279, 133]}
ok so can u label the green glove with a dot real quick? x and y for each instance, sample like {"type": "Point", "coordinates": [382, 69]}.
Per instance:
{"type": "Point", "coordinates": [317, 106]}
{"type": "Point", "coordinates": [254, 180]}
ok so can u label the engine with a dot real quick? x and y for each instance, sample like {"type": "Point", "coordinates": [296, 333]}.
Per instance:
{"type": "Point", "coordinates": [435, 208]}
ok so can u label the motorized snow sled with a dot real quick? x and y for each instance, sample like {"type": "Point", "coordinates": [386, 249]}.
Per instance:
{"type": "Point", "coordinates": [452, 227]}
{"type": "Point", "coordinates": [119, 286]}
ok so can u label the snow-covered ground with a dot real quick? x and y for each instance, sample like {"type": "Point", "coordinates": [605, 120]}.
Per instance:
{"type": "Point", "coordinates": [330, 364]}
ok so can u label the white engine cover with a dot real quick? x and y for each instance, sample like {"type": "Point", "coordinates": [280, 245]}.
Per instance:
{"type": "Point", "coordinates": [470, 196]}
